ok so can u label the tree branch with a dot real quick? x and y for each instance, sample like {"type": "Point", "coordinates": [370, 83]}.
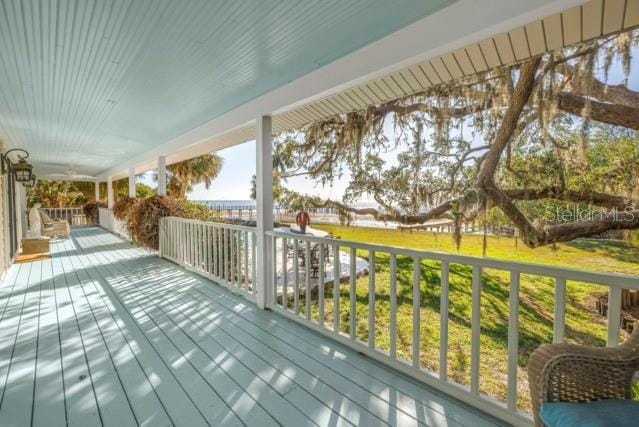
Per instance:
{"type": "Point", "coordinates": [598, 199]}
{"type": "Point", "coordinates": [613, 114]}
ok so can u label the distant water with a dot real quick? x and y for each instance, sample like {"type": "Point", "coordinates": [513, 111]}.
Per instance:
{"type": "Point", "coordinates": [227, 204]}
{"type": "Point", "coordinates": [241, 208]}
{"type": "Point", "coordinates": [250, 204]}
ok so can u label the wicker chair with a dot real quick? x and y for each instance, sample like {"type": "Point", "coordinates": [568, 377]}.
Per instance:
{"type": "Point", "coordinates": [575, 373]}
{"type": "Point", "coordinates": [51, 227]}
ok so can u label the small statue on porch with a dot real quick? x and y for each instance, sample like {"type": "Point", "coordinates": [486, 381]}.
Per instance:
{"type": "Point", "coordinates": [35, 222]}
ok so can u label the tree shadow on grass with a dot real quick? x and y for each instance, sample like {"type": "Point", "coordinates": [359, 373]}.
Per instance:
{"type": "Point", "coordinates": [617, 249]}
{"type": "Point", "coordinates": [535, 309]}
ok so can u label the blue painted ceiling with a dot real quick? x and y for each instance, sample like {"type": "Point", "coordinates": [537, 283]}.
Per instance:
{"type": "Point", "coordinates": [93, 83]}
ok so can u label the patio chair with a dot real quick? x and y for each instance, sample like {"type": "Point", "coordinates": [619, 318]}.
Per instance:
{"type": "Point", "coordinates": [57, 227]}
{"type": "Point", "coordinates": [573, 385]}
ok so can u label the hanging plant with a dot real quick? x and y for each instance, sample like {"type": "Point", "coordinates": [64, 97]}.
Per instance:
{"type": "Point", "coordinates": [144, 216]}
{"type": "Point", "coordinates": [92, 211]}
{"type": "Point", "coordinates": [122, 207]}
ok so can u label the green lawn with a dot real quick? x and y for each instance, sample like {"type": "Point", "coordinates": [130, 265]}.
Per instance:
{"type": "Point", "coordinates": [536, 300]}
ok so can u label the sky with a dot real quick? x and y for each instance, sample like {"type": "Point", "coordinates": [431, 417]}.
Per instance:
{"type": "Point", "coordinates": [234, 181]}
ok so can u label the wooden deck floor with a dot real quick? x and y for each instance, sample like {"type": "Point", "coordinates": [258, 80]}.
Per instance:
{"type": "Point", "coordinates": [105, 333]}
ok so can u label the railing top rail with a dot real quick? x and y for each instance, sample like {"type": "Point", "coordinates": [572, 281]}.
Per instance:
{"type": "Point", "coordinates": [573, 274]}
{"type": "Point", "coordinates": [212, 223]}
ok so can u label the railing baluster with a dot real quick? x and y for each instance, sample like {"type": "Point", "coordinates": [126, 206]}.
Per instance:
{"type": "Point", "coordinates": [191, 243]}
{"type": "Point", "coordinates": [246, 260]}
{"type": "Point", "coordinates": [513, 340]}
{"type": "Point", "coordinates": [232, 255]}
{"type": "Point", "coordinates": [209, 249]}
{"type": "Point", "coordinates": [559, 321]}
{"type": "Point", "coordinates": [225, 243]}
{"type": "Point", "coordinates": [172, 238]}
{"type": "Point", "coordinates": [187, 243]}
{"type": "Point", "coordinates": [393, 306]}
{"type": "Point", "coordinates": [336, 267]}
{"type": "Point", "coordinates": [194, 246]}
{"type": "Point", "coordinates": [214, 251]}
{"type": "Point", "coordinates": [443, 322]}
{"type": "Point", "coordinates": [180, 240]}
{"type": "Point", "coordinates": [284, 273]}
{"type": "Point", "coordinates": [371, 299]}
{"type": "Point", "coordinates": [220, 253]}
{"type": "Point", "coordinates": [353, 293]}
{"type": "Point", "coordinates": [614, 316]}
{"type": "Point", "coordinates": [417, 273]}
{"type": "Point", "coordinates": [296, 276]}
{"type": "Point", "coordinates": [184, 238]}
{"type": "Point", "coordinates": [475, 325]}
{"type": "Point", "coordinates": [202, 247]}
{"type": "Point", "coordinates": [253, 261]}
{"type": "Point", "coordinates": [307, 279]}
{"type": "Point", "coordinates": [198, 258]}
{"type": "Point", "coordinates": [274, 277]}
{"type": "Point", "coordinates": [238, 264]}
{"type": "Point", "coordinates": [320, 278]}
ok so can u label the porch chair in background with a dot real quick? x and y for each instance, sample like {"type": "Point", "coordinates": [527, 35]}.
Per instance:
{"type": "Point", "coordinates": [574, 385]}
{"type": "Point", "coordinates": [57, 227]}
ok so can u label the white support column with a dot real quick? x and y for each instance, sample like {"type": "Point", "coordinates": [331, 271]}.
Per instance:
{"type": "Point", "coordinates": [132, 183]}
{"type": "Point", "coordinates": [110, 192]}
{"type": "Point", "coordinates": [97, 190]}
{"type": "Point", "coordinates": [264, 202]}
{"type": "Point", "coordinates": [161, 176]}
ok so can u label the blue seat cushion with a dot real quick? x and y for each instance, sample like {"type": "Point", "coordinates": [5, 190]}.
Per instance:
{"type": "Point", "coordinates": [602, 413]}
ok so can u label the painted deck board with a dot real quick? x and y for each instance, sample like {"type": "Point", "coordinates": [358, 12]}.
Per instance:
{"type": "Point", "coordinates": [106, 333]}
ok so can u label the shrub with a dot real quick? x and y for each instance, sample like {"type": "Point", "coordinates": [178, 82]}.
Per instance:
{"type": "Point", "coordinates": [91, 210]}
{"type": "Point", "coordinates": [121, 208]}
{"type": "Point", "coordinates": [144, 218]}
{"type": "Point", "coordinates": [198, 211]}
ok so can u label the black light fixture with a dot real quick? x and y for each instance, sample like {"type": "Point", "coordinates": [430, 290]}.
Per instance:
{"type": "Point", "coordinates": [21, 170]}
{"type": "Point", "coordinates": [30, 183]}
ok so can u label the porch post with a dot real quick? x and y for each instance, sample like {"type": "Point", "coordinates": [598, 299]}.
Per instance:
{"type": "Point", "coordinates": [132, 183]}
{"type": "Point", "coordinates": [97, 191]}
{"type": "Point", "coordinates": [264, 205]}
{"type": "Point", "coordinates": [110, 192]}
{"type": "Point", "coordinates": [161, 176]}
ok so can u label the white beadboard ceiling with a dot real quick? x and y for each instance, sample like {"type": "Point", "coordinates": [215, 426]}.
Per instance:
{"type": "Point", "coordinates": [92, 83]}
{"type": "Point", "coordinates": [592, 19]}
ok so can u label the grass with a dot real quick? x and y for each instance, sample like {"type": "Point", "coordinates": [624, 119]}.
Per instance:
{"type": "Point", "coordinates": [583, 325]}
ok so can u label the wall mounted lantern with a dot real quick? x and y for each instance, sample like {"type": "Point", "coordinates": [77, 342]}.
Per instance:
{"type": "Point", "coordinates": [30, 183]}
{"type": "Point", "coordinates": [21, 170]}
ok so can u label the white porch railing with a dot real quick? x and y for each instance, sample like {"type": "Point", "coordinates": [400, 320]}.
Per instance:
{"type": "Point", "coordinates": [74, 215]}
{"type": "Point", "coordinates": [108, 221]}
{"type": "Point", "coordinates": [313, 314]}
{"type": "Point", "coordinates": [224, 253]}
